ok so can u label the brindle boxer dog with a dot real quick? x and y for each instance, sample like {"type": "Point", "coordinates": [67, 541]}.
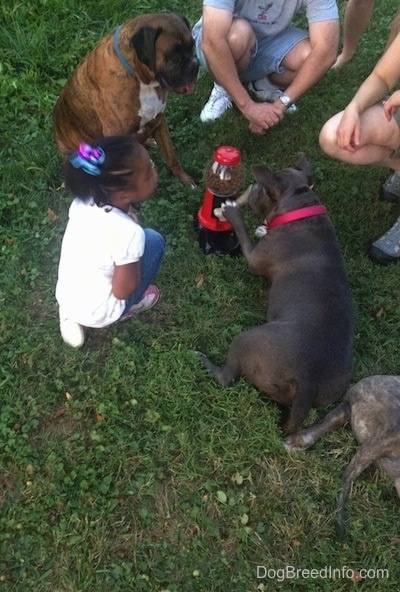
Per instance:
{"type": "Point", "coordinates": [303, 355]}
{"type": "Point", "coordinates": [121, 87]}
{"type": "Point", "coordinates": [373, 407]}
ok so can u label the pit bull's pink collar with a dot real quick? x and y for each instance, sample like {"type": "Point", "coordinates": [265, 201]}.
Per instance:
{"type": "Point", "coordinates": [294, 215]}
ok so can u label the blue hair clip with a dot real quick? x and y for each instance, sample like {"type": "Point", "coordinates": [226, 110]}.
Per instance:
{"type": "Point", "coordinates": [88, 159]}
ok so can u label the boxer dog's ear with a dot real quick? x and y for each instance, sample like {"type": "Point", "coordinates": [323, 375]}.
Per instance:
{"type": "Point", "coordinates": [144, 44]}
{"type": "Point", "coordinates": [182, 16]}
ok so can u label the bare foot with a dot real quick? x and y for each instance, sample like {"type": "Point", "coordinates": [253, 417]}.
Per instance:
{"type": "Point", "coordinates": [341, 60]}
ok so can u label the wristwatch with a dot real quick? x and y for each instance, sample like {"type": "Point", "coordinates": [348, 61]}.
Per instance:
{"type": "Point", "coordinates": [286, 100]}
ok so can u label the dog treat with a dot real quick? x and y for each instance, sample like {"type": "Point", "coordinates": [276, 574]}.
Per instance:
{"type": "Point", "coordinates": [224, 174]}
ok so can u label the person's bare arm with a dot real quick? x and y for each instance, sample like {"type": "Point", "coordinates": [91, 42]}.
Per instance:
{"type": "Point", "coordinates": [125, 280]}
{"type": "Point", "coordinates": [324, 40]}
{"type": "Point", "coordinates": [357, 16]}
{"type": "Point", "coordinates": [382, 79]}
{"type": "Point", "coordinates": [374, 88]}
{"type": "Point", "coordinates": [394, 29]}
{"type": "Point", "coordinates": [221, 63]}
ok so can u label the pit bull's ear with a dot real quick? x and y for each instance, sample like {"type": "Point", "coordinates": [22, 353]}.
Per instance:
{"type": "Point", "coordinates": [267, 180]}
{"type": "Point", "coordinates": [144, 43]}
{"type": "Point", "coordinates": [303, 164]}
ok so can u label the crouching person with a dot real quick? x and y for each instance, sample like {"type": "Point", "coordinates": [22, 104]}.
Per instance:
{"type": "Point", "coordinates": [368, 132]}
{"type": "Point", "coordinates": [107, 259]}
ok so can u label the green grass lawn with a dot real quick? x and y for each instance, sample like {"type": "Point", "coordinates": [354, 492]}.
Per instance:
{"type": "Point", "coordinates": [123, 466]}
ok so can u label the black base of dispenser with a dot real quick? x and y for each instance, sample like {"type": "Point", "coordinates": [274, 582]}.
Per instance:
{"type": "Point", "coordinates": [218, 243]}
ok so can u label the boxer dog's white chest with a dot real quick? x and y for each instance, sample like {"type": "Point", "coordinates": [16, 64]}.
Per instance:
{"type": "Point", "coordinates": [150, 103]}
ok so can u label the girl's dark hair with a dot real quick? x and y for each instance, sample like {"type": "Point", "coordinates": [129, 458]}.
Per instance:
{"type": "Point", "coordinates": [114, 173]}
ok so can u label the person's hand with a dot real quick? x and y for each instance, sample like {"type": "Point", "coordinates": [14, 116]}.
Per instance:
{"type": "Point", "coordinates": [391, 106]}
{"type": "Point", "coordinates": [263, 116]}
{"type": "Point", "coordinates": [349, 130]}
{"type": "Point", "coordinates": [256, 129]}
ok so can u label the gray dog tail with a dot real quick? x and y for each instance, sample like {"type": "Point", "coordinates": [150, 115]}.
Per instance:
{"type": "Point", "coordinates": [371, 451]}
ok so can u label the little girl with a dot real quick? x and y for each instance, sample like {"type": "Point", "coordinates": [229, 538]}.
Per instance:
{"type": "Point", "coordinates": [107, 259]}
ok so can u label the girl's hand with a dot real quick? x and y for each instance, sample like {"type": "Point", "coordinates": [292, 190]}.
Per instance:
{"type": "Point", "coordinates": [391, 106]}
{"type": "Point", "coordinates": [349, 130]}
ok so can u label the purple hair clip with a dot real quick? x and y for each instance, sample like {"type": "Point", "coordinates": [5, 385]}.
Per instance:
{"type": "Point", "coordinates": [88, 158]}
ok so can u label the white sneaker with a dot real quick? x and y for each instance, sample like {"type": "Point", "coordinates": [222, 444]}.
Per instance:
{"type": "Point", "coordinates": [217, 104]}
{"type": "Point", "coordinates": [72, 333]}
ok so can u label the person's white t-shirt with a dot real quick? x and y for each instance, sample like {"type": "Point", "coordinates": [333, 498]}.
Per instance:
{"type": "Point", "coordinates": [95, 240]}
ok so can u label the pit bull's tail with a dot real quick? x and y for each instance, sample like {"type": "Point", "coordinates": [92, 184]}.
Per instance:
{"type": "Point", "coordinates": [371, 451]}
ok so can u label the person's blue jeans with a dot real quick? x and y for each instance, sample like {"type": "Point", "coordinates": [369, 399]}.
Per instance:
{"type": "Point", "coordinates": [150, 263]}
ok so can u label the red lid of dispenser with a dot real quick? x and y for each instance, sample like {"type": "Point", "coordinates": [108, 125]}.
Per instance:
{"type": "Point", "coordinates": [227, 155]}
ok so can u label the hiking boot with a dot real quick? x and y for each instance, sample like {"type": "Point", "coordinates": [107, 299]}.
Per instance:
{"type": "Point", "coordinates": [72, 333]}
{"type": "Point", "coordinates": [390, 189]}
{"type": "Point", "coordinates": [386, 249]}
{"type": "Point", "coordinates": [217, 104]}
{"type": "Point", "coordinates": [268, 93]}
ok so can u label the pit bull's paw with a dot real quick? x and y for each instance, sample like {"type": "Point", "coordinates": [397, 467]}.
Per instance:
{"type": "Point", "coordinates": [219, 212]}
{"type": "Point", "coordinates": [230, 210]}
{"type": "Point", "coordinates": [229, 203]}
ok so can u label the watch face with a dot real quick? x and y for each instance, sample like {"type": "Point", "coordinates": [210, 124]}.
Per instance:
{"type": "Point", "coordinates": [285, 99]}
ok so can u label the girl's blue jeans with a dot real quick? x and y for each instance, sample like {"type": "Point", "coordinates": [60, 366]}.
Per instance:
{"type": "Point", "coordinates": [150, 263]}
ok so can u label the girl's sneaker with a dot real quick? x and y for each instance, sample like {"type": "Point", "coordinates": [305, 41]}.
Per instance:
{"type": "Point", "coordinates": [150, 298]}
{"type": "Point", "coordinates": [72, 333]}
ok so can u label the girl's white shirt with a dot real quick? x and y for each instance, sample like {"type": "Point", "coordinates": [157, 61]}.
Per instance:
{"type": "Point", "coordinates": [96, 239]}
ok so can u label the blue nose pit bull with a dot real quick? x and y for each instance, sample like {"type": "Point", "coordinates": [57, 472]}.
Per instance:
{"type": "Point", "coordinates": [303, 355]}
{"type": "Point", "coordinates": [373, 407]}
